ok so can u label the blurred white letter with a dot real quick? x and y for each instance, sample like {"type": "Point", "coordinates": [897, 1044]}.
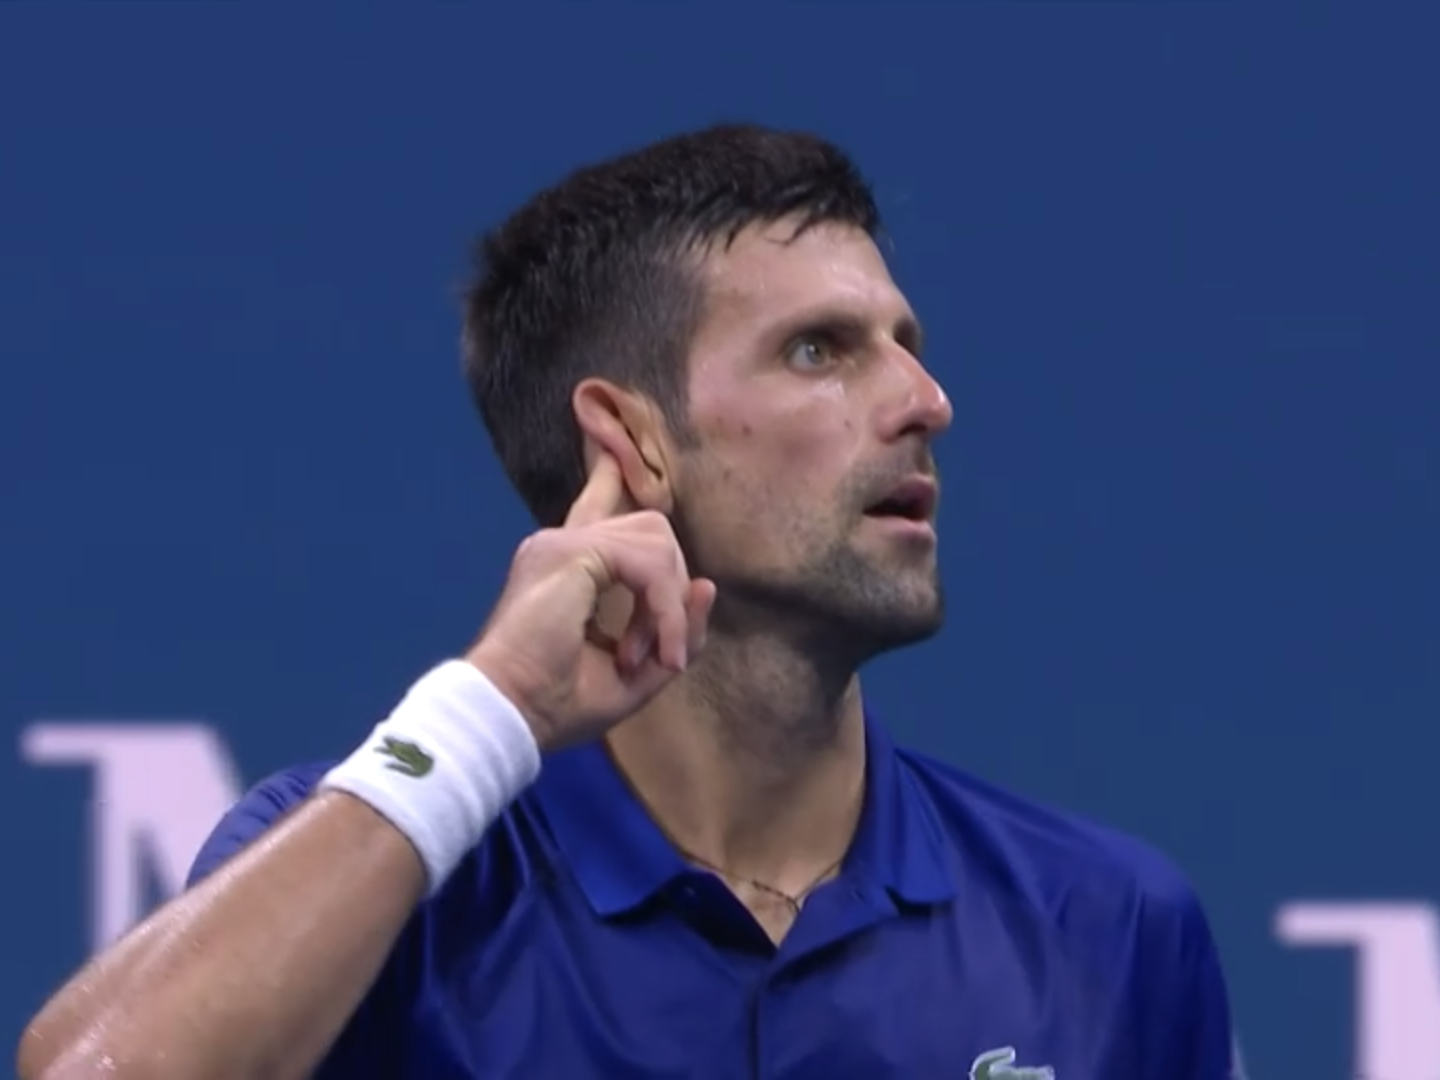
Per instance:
{"type": "Point", "coordinates": [158, 791]}
{"type": "Point", "coordinates": [1397, 979]}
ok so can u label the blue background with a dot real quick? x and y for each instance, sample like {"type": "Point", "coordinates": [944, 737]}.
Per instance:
{"type": "Point", "coordinates": [1178, 263]}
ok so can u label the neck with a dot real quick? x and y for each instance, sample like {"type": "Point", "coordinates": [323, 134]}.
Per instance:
{"type": "Point", "coordinates": [754, 761]}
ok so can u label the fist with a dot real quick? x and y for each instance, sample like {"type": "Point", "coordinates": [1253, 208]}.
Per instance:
{"type": "Point", "coordinates": [542, 648]}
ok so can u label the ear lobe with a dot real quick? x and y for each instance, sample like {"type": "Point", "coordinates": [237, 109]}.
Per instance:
{"type": "Point", "coordinates": [614, 421]}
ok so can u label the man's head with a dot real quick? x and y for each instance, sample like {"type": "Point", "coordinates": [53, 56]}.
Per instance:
{"type": "Point", "coordinates": [713, 311]}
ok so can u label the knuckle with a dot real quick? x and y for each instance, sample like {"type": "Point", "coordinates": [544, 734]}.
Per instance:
{"type": "Point", "coordinates": [669, 598]}
{"type": "Point", "coordinates": [525, 552]}
{"type": "Point", "coordinates": [652, 522]}
{"type": "Point", "coordinates": [538, 546]}
{"type": "Point", "coordinates": [657, 527]}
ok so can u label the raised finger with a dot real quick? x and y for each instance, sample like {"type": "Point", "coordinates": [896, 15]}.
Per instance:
{"type": "Point", "coordinates": [602, 497]}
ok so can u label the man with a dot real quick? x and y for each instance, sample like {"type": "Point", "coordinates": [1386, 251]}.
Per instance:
{"type": "Point", "coordinates": [699, 374]}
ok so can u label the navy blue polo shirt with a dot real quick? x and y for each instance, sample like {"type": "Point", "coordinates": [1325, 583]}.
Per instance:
{"type": "Point", "coordinates": [968, 930]}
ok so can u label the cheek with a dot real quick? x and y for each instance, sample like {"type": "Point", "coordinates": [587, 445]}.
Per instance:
{"type": "Point", "coordinates": [807, 449]}
{"type": "Point", "coordinates": [757, 501]}
{"type": "Point", "coordinates": [762, 479]}
{"type": "Point", "coordinates": [768, 465]}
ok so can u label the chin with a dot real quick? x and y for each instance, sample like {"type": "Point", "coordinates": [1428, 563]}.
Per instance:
{"type": "Point", "coordinates": [910, 627]}
{"type": "Point", "coordinates": [845, 598]}
{"type": "Point", "coordinates": [879, 624]}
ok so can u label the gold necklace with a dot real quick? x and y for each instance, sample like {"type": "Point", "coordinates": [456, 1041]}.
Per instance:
{"type": "Point", "coordinates": [793, 901]}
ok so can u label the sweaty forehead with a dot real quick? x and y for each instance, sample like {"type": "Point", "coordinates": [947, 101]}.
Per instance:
{"type": "Point", "coordinates": [770, 272]}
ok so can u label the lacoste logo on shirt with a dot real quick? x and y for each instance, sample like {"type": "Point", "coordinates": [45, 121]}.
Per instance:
{"type": "Point", "coordinates": [406, 758]}
{"type": "Point", "coordinates": [997, 1065]}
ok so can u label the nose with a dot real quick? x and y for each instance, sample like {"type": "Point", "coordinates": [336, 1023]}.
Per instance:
{"type": "Point", "coordinates": [918, 404]}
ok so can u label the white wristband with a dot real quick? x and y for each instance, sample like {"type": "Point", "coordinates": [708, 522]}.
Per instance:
{"type": "Point", "coordinates": [444, 765]}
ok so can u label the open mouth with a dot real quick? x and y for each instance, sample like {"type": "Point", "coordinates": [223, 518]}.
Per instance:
{"type": "Point", "coordinates": [912, 500]}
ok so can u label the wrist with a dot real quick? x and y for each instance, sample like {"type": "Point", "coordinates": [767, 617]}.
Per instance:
{"type": "Point", "coordinates": [444, 765]}
{"type": "Point", "coordinates": [519, 683]}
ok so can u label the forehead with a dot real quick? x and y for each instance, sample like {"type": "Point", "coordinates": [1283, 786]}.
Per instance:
{"type": "Point", "coordinates": [771, 273]}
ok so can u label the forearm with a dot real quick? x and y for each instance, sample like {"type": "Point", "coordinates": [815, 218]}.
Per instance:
{"type": "Point", "coordinates": [251, 974]}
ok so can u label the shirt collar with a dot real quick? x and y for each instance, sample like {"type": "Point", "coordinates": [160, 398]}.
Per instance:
{"type": "Point", "coordinates": [620, 857]}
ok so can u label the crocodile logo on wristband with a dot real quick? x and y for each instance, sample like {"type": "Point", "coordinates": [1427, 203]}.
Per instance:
{"type": "Point", "coordinates": [406, 758]}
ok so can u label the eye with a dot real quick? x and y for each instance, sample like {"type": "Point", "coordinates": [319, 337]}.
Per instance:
{"type": "Point", "coordinates": [812, 353]}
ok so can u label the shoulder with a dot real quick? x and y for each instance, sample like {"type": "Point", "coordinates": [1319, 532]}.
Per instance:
{"type": "Point", "coordinates": [1048, 852]}
{"type": "Point", "coordinates": [1117, 903]}
{"type": "Point", "coordinates": [259, 808]}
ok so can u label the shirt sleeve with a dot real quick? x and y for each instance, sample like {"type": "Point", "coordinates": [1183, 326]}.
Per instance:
{"type": "Point", "coordinates": [368, 1047]}
{"type": "Point", "coordinates": [258, 809]}
{"type": "Point", "coordinates": [1188, 1002]}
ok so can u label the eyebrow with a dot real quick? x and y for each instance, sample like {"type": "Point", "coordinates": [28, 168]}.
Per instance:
{"type": "Point", "coordinates": [911, 335]}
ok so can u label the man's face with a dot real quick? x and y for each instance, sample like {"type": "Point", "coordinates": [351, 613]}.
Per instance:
{"type": "Point", "coordinates": [808, 493]}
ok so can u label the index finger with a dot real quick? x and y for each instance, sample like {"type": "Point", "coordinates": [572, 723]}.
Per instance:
{"type": "Point", "coordinates": [602, 497]}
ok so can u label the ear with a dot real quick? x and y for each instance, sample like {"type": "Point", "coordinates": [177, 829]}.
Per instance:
{"type": "Point", "coordinates": [629, 428]}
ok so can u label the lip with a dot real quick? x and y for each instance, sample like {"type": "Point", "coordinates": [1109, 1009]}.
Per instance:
{"type": "Point", "coordinates": [903, 528]}
{"type": "Point", "coordinates": [923, 492]}
{"type": "Point", "coordinates": [919, 493]}
{"type": "Point", "coordinates": [920, 496]}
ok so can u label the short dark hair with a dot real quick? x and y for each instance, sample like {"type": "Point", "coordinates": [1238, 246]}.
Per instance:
{"type": "Point", "coordinates": [594, 276]}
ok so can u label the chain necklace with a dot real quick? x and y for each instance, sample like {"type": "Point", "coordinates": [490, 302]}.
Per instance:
{"type": "Point", "coordinates": [794, 901]}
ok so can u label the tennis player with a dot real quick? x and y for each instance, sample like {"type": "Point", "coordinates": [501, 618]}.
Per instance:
{"type": "Point", "coordinates": [645, 826]}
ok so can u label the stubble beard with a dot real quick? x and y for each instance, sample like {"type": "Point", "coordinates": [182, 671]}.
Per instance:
{"type": "Point", "coordinates": [840, 606]}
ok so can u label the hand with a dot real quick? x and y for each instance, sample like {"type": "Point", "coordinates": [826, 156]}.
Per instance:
{"type": "Point", "coordinates": [541, 647]}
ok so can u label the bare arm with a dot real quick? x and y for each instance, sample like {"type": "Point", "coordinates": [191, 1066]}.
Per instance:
{"type": "Point", "coordinates": [251, 974]}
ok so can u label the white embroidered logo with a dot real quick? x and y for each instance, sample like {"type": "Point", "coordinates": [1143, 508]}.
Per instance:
{"type": "Point", "coordinates": [999, 1065]}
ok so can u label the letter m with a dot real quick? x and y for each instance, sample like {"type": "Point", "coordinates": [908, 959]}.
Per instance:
{"type": "Point", "coordinates": [158, 791]}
